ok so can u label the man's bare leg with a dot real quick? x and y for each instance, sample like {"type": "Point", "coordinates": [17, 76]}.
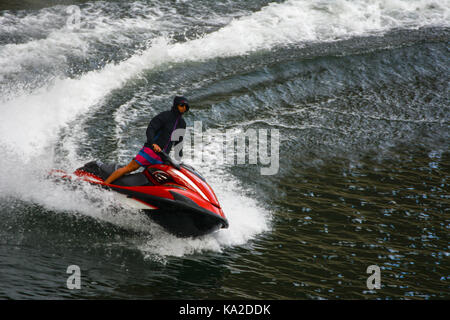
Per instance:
{"type": "Point", "coordinates": [132, 166]}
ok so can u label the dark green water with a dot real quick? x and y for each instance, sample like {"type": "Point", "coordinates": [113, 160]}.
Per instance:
{"type": "Point", "coordinates": [360, 97]}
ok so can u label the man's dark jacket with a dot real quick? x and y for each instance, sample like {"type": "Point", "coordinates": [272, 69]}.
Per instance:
{"type": "Point", "coordinates": [161, 127]}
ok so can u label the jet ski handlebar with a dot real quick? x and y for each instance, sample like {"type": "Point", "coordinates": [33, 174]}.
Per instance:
{"type": "Point", "coordinates": [166, 158]}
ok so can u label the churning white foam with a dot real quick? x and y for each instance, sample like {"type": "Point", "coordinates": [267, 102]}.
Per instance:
{"type": "Point", "coordinates": [47, 109]}
{"type": "Point", "coordinates": [300, 21]}
{"type": "Point", "coordinates": [47, 38]}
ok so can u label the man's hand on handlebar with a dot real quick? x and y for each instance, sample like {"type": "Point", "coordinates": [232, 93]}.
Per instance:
{"type": "Point", "coordinates": [156, 148]}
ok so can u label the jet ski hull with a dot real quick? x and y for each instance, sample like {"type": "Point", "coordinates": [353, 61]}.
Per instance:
{"type": "Point", "coordinates": [184, 204]}
{"type": "Point", "coordinates": [186, 222]}
{"type": "Point", "coordinates": [181, 215]}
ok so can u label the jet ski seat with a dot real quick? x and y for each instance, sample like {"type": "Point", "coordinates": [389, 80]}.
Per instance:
{"type": "Point", "coordinates": [104, 170]}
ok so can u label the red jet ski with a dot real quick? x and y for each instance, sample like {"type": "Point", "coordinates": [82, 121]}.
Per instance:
{"type": "Point", "coordinates": [172, 194]}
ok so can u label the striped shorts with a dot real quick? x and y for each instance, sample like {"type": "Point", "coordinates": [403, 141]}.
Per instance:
{"type": "Point", "coordinates": [147, 157]}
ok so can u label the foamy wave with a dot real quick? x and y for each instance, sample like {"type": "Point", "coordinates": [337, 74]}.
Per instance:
{"type": "Point", "coordinates": [276, 24]}
{"type": "Point", "coordinates": [300, 21]}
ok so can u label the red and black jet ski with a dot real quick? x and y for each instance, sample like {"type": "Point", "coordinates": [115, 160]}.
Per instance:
{"type": "Point", "coordinates": [172, 194]}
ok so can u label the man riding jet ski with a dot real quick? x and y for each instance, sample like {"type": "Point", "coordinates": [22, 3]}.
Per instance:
{"type": "Point", "coordinates": [172, 194]}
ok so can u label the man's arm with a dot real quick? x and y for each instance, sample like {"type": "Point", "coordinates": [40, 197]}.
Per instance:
{"type": "Point", "coordinates": [155, 124]}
